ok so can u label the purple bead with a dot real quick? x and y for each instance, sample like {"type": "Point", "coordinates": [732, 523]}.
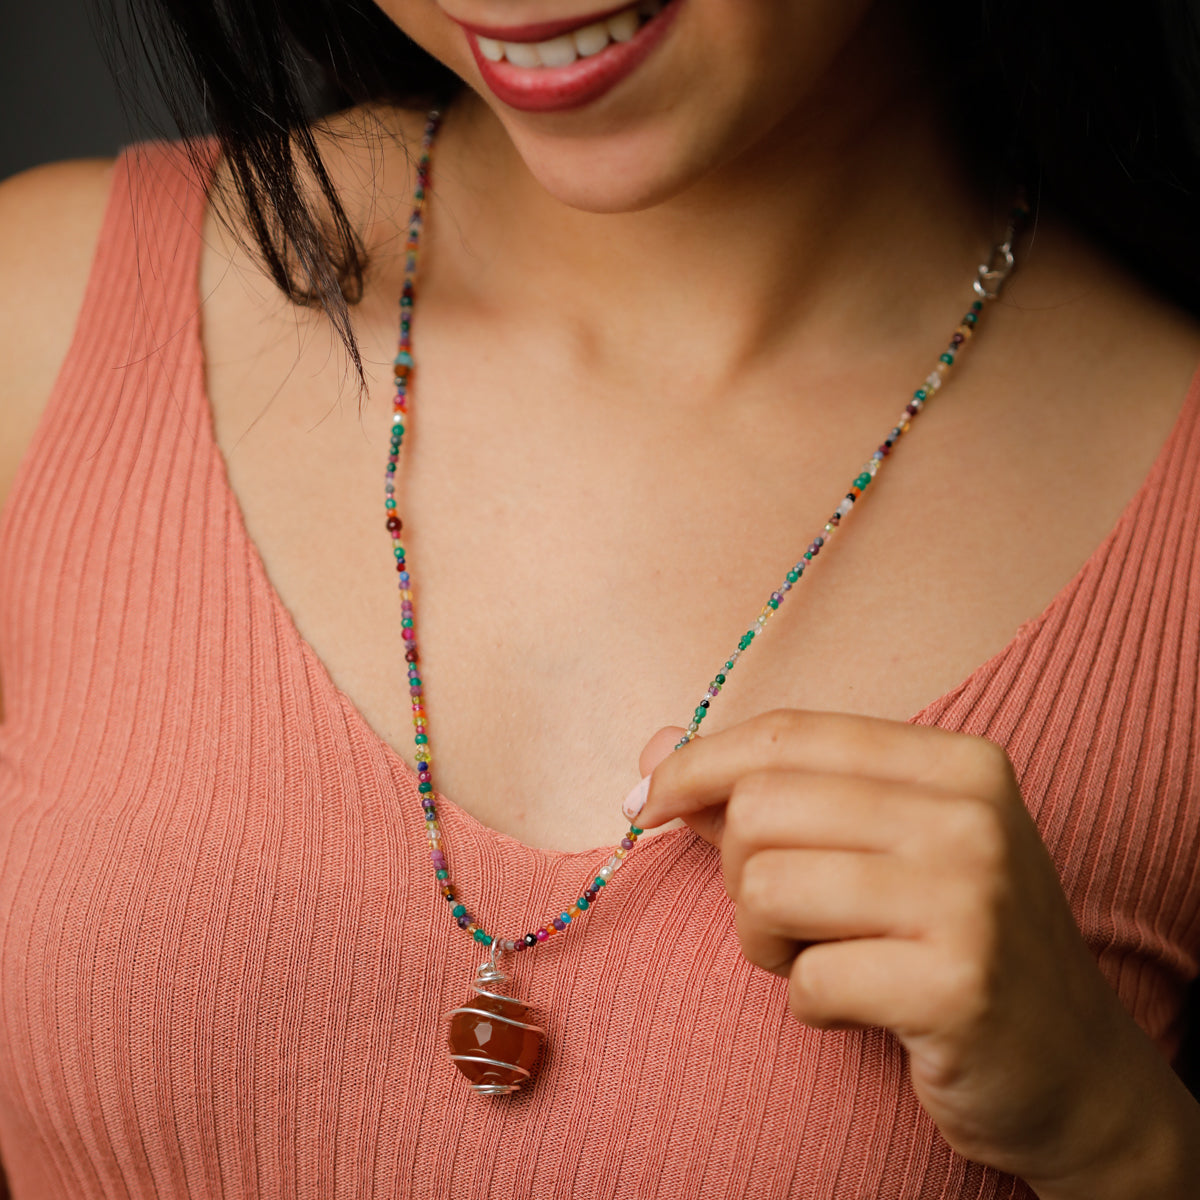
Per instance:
{"type": "Point", "coordinates": [559, 924]}
{"type": "Point", "coordinates": [776, 596]}
{"type": "Point", "coordinates": [626, 844]}
{"type": "Point", "coordinates": [463, 922]}
{"type": "Point", "coordinates": [414, 691]}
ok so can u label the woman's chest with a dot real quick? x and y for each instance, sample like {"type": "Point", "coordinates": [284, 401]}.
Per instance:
{"type": "Point", "coordinates": [583, 564]}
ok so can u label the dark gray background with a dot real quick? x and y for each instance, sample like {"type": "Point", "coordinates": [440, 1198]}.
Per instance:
{"type": "Point", "coordinates": [57, 98]}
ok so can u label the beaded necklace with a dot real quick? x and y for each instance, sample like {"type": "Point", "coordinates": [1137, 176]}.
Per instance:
{"type": "Point", "coordinates": [491, 1041]}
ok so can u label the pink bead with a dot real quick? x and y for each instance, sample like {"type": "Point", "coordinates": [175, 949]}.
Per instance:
{"type": "Point", "coordinates": [409, 635]}
{"type": "Point", "coordinates": [541, 935]}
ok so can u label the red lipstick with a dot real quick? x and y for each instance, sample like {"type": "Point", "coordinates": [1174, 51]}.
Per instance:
{"type": "Point", "coordinates": [553, 89]}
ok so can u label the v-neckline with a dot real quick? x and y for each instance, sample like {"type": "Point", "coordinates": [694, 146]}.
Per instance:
{"type": "Point", "coordinates": [1025, 632]}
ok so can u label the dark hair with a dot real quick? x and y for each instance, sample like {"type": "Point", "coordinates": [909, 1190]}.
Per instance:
{"type": "Point", "coordinates": [1098, 111]}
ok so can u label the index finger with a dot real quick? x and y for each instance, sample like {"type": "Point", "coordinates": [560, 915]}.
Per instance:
{"type": "Point", "coordinates": [703, 772]}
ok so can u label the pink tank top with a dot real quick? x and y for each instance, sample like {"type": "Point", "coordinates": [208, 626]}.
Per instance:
{"type": "Point", "coordinates": [223, 962]}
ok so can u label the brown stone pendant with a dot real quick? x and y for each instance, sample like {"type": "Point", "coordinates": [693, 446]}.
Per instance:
{"type": "Point", "coordinates": [492, 1041]}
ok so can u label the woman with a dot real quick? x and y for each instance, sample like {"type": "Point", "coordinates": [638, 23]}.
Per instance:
{"type": "Point", "coordinates": [670, 298]}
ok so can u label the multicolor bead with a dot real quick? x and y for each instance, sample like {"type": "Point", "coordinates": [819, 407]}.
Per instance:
{"type": "Point", "coordinates": [403, 371]}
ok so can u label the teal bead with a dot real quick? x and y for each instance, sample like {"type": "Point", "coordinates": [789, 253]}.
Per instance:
{"type": "Point", "coordinates": [459, 910]}
{"type": "Point", "coordinates": [425, 786]}
{"type": "Point", "coordinates": [636, 831]}
{"type": "Point", "coordinates": [792, 576]}
{"type": "Point", "coordinates": [720, 678]}
{"type": "Point", "coordinates": [482, 938]}
{"type": "Point", "coordinates": [863, 480]}
{"type": "Point", "coordinates": [421, 739]}
{"type": "Point", "coordinates": [598, 882]}
{"type": "Point", "coordinates": [389, 503]}
{"type": "Point", "coordinates": [920, 394]}
{"type": "Point", "coordinates": [773, 602]}
{"type": "Point", "coordinates": [404, 359]}
{"type": "Point", "coordinates": [583, 902]}
{"type": "Point", "coordinates": [565, 918]}
{"type": "Point", "coordinates": [442, 874]}
{"type": "Point", "coordinates": [948, 359]}
{"type": "Point", "coordinates": [701, 713]}
{"type": "Point", "coordinates": [728, 667]}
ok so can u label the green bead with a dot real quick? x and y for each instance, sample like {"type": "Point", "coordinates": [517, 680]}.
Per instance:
{"type": "Point", "coordinates": [389, 503]}
{"type": "Point", "coordinates": [720, 679]}
{"type": "Point", "coordinates": [399, 430]}
{"type": "Point", "coordinates": [977, 306]}
{"type": "Point", "coordinates": [421, 739]}
{"type": "Point", "coordinates": [773, 602]}
{"type": "Point", "coordinates": [863, 480]}
{"type": "Point", "coordinates": [403, 359]}
{"type": "Point", "coordinates": [598, 882]}
{"type": "Point", "coordinates": [920, 394]}
{"type": "Point", "coordinates": [728, 667]}
{"type": "Point", "coordinates": [808, 555]}
{"type": "Point", "coordinates": [414, 681]}
{"type": "Point", "coordinates": [442, 874]}
{"type": "Point", "coordinates": [482, 938]}
{"type": "Point", "coordinates": [425, 786]}
{"type": "Point", "coordinates": [792, 576]}
{"type": "Point", "coordinates": [406, 622]}
{"type": "Point", "coordinates": [459, 910]}
{"type": "Point", "coordinates": [701, 713]}
{"type": "Point", "coordinates": [970, 319]}
{"type": "Point", "coordinates": [948, 359]}
{"type": "Point", "coordinates": [636, 830]}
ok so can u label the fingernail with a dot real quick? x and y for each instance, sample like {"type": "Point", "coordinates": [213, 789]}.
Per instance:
{"type": "Point", "coordinates": [636, 800]}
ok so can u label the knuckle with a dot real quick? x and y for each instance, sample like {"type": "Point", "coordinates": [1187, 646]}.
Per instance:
{"type": "Point", "coordinates": [806, 998]}
{"type": "Point", "coordinates": [777, 725]}
{"type": "Point", "coordinates": [759, 889]}
{"type": "Point", "coordinates": [973, 835]}
{"type": "Point", "coordinates": [745, 809]}
{"type": "Point", "coordinates": [964, 987]}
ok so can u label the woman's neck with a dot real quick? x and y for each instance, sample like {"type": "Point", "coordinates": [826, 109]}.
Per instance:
{"type": "Point", "coordinates": [851, 213]}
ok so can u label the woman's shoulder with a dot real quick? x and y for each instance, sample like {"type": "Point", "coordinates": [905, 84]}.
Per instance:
{"type": "Point", "coordinates": [50, 220]}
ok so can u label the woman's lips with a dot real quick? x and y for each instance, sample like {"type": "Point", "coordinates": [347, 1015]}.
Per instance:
{"type": "Point", "coordinates": [542, 31]}
{"type": "Point", "coordinates": [552, 89]}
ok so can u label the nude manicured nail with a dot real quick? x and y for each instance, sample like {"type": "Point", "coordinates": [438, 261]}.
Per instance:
{"type": "Point", "coordinates": [636, 800]}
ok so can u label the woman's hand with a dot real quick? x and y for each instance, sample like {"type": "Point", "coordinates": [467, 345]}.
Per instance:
{"type": "Point", "coordinates": [892, 874]}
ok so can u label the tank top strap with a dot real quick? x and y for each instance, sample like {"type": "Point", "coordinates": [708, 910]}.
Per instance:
{"type": "Point", "coordinates": [107, 465]}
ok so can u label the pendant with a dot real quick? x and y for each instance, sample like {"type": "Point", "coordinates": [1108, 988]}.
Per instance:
{"type": "Point", "coordinates": [491, 1040]}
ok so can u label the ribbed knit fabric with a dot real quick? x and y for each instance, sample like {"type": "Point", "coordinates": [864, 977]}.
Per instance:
{"type": "Point", "coordinates": [223, 965]}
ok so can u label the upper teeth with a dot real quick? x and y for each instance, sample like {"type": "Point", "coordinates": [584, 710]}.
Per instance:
{"type": "Point", "coordinates": [579, 43]}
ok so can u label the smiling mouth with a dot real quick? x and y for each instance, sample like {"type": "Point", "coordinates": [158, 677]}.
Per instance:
{"type": "Point", "coordinates": [567, 47]}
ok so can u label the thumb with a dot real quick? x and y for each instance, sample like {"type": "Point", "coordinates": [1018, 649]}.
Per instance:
{"type": "Point", "coordinates": [655, 750]}
{"type": "Point", "coordinates": [659, 747]}
{"type": "Point", "coordinates": [708, 822]}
